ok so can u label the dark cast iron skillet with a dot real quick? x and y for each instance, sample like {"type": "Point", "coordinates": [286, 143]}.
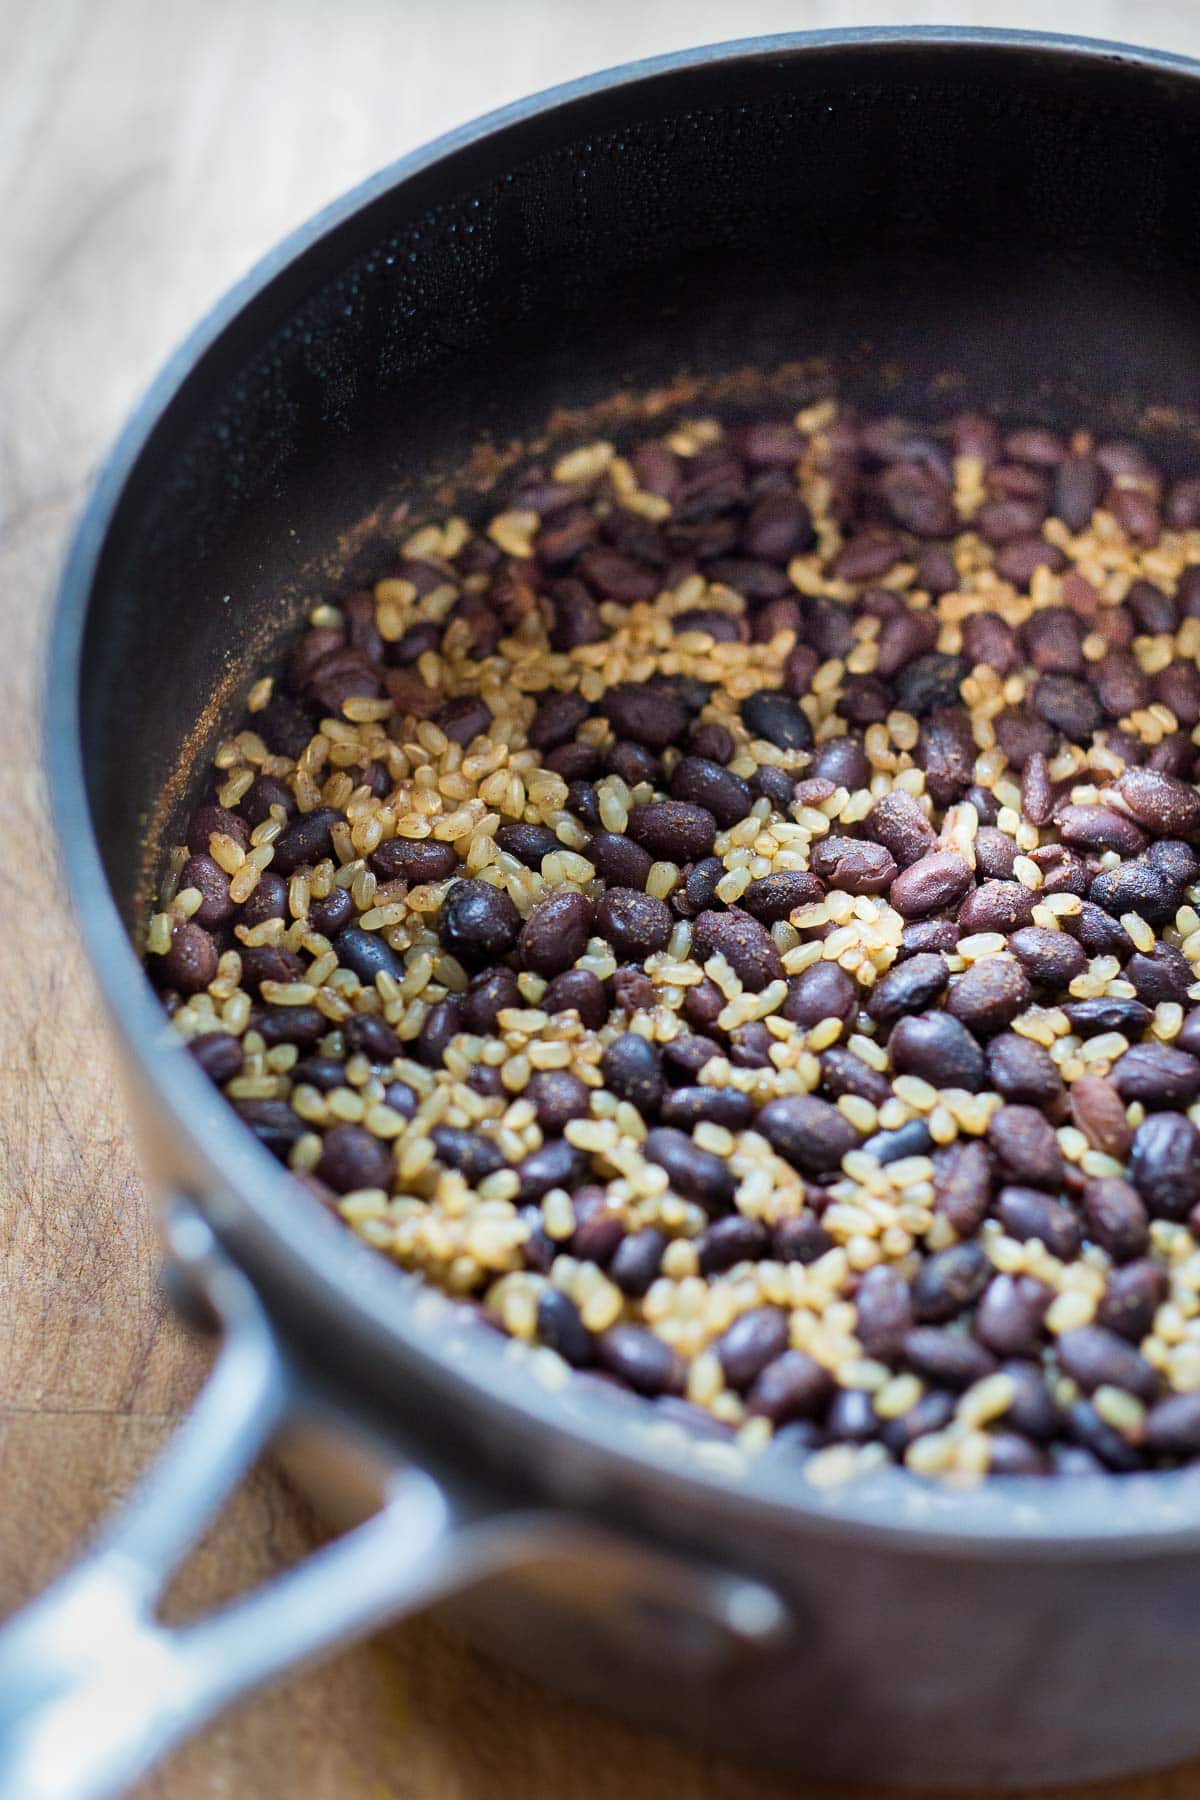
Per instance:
{"type": "Point", "coordinates": [1020, 213]}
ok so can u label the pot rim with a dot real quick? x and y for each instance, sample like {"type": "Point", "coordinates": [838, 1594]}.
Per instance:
{"type": "Point", "coordinates": [282, 1234]}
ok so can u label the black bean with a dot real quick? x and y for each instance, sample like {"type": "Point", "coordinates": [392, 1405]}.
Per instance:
{"type": "Point", "coordinates": [367, 954]}
{"type": "Point", "coordinates": [1164, 974]}
{"type": "Point", "coordinates": [939, 879]}
{"type": "Point", "coordinates": [1095, 1357]}
{"type": "Point", "coordinates": [191, 962]}
{"type": "Point", "coordinates": [556, 933]}
{"type": "Point", "coordinates": [1003, 906]}
{"type": "Point", "coordinates": [366, 1034]}
{"type": "Point", "coordinates": [1173, 1426]}
{"type": "Point", "coordinates": [300, 1025]}
{"type": "Point", "coordinates": [942, 1356]}
{"type": "Point", "coordinates": [440, 1026]}
{"type": "Point", "coordinates": [352, 1158]}
{"type": "Point", "coordinates": [1079, 486]}
{"type": "Point", "coordinates": [557, 719]}
{"type": "Point", "coordinates": [903, 636]}
{"type": "Point", "coordinates": [1022, 1071]}
{"type": "Point", "coordinates": [1051, 958]}
{"type": "Point", "coordinates": [995, 854]}
{"type": "Point", "coordinates": [853, 865]}
{"type": "Point", "coordinates": [822, 991]}
{"type": "Point", "coordinates": [323, 1072]}
{"type": "Point", "coordinates": [400, 1097]}
{"type": "Point", "coordinates": [490, 993]}
{"type": "Point", "coordinates": [1137, 887]}
{"type": "Point", "coordinates": [649, 716]}
{"type": "Point", "coordinates": [1022, 734]}
{"type": "Point", "coordinates": [561, 1328]}
{"type": "Point", "coordinates": [1009, 1317]}
{"type": "Point", "coordinates": [688, 1054]}
{"type": "Point", "coordinates": [269, 962]}
{"type": "Point", "coordinates": [1032, 1410]}
{"type": "Point", "coordinates": [210, 880]}
{"type": "Point", "coordinates": [472, 1155]}
{"type": "Point", "coordinates": [576, 616]}
{"type": "Point", "coordinates": [1099, 934]}
{"type": "Point", "coordinates": [948, 1282]}
{"type": "Point", "coordinates": [931, 1412]}
{"type": "Point", "coordinates": [801, 1238]}
{"type": "Point", "coordinates": [794, 1386]}
{"type": "Point", "coordinates": [929, 681]}
{"type": "Point", "coordinates": [672, 830]}
{"type": "Point", "coordinates": [1164, 1165]}
{"type": "Point", "coordinates": [987, 639]}
{"type": "Point", "coordinates": [417, 860]}
{"type": "Point", "coordinates": [989, 995]}
{"type": "Point", "coordinates": [558, 1097]}
{"type": "Point", "coordinates": [746, 945]}
{"type": "Point", "coordinates": [946, 751]}
{"type": "Point", "coordinates": [963, 1186]}
{"type": "Point", "coordinates": [1099, 1112]}
{"type": "Point", "coordinates": [307, 840]}
{"type": "Point", "coordinates": [275, 1126]}
{"type": "Point", "coordinates": [809, 1133]}
{"type": "Point", "coordinates": [1098, 828]}
{"type": "Point", "coordinates": [479, 923]}
{"type": "Point", "coordinates": [1132, 1297]}
{"type": "Point", "coordinates": [632, 1069]}
{"type": "Point", "coordinates": [1177, 860]}
{"type": "Point", "coordinates": [778, 718]}
{"type": "Point", "coordinates": [939, 1050]}
{"type": "Point", "coordinates": [885, 1312]}
{"type": "Point", "coordinates": [1011, 1454]}
{"type": "Point", "coordinates": [844, 1073]}
{"type": "Point", "coordinates": [729, 1241]}
{"type": "Point", "coordinates": [270, 901]}
{"type": "Point", "coordinates": [528, 843]}
{"type": "Point", "coordinates": [851, 1418]}
{"type": "Point", "coordinates": [619, 861]}
{"type": "Point", "coordinates": [617, 577]}
{"type": "Point", "coordinates": [637, 1261]}
{"type": "Point", "coordinates": [1025, 1148]}
{"type": "Point", "coordinates": [705, 784]}
{"type": "Point", "coordinates": [911, 1139]}
{"type": "Point", "coordinates": [687, 1106]}
{"type": "Point", "coordinates": [556, 1164]}
{"type": "Point", "coordinates": [328, 916]}
{"type": "Point", "coordinates": [634, 924]}
{"type": "Point", "coordinates": [1160, 1077]}
{"type": "Point", "coordinates": [219, 1054]}
{"type": "Point", "coordinates": [775, 897]}
{"type": "Point", "coordinates": [1106, 1444]}
{"type": "Point", "coordinates": [865, 700]}
{"type": "Point", "coordinates": [632, 989]}
{"type": "Point", "coordinates": [1167, 807]}
{"type": "Point", "coordinates": [641, 1359]}
{"type": "Point", "coordinates": [755, 1339]}
{"type": "Point", "coordinates": [1027, 1213]}
{"type": "Point", "coordinates": [284, 726]}
{"type": "Point", "coordinates": [843, 761]}
{"type": "Point", "coordinates": [695, 1173]}
{"type": "Point", "coordinates": [1053, 641]}
{"type": "Point", "coordinates": [598, 1229]}
{"type": "Point", "coordinates": [925, 937]}
{"type": "Point", "coordinates": [778, 527]}
{"type": "Point", "coordinates": [1116, 1218]}
{"type": "Point", "coordinates": [218, 821]}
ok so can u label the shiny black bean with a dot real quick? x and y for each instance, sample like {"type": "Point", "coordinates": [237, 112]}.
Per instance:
{"type": "Point", "coordinates": [809, 1133]}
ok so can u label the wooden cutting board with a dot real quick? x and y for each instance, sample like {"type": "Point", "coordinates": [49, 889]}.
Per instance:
{"type": "Point", "coordinates": [147, 154]}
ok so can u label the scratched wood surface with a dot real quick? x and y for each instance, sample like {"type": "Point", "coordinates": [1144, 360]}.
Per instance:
{"type": "Point", "coordinates": [148, 152]}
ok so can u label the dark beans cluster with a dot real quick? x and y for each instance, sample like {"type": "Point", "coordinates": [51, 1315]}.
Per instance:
{"type": "Point", "coordinates": [732, 910]}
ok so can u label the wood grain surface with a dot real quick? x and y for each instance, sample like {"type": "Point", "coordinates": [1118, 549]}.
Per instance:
{"type": "Point", "coordinates": [148, 152]}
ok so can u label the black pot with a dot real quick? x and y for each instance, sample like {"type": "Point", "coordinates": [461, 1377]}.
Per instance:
{"type": "Point", "coordinates": [943, 218]}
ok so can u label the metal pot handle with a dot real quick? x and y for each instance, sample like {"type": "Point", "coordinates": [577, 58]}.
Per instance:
{"type": "Point", "coordinates": [94, 1690]}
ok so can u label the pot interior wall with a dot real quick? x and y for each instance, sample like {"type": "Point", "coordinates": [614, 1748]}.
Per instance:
{"type": "Point", "coordinates": [1021, 218]}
